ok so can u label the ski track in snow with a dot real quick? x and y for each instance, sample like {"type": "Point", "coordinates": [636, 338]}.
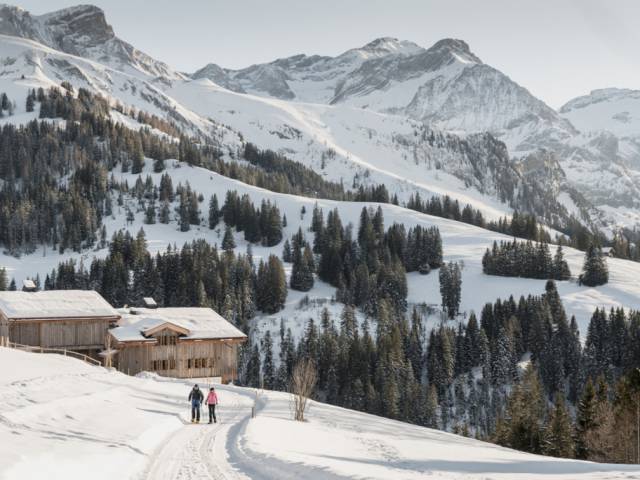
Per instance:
{"type": "Point", "coordinates": [219, 451]}
{"type": "Point", "coordinates": [193, 452]}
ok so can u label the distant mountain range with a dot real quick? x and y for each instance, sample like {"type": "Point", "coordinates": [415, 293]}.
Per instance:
{"type": "Point", "coordinates": [417, 119]}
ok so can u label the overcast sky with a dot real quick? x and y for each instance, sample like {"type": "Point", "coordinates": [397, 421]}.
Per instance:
{"type": "Point", "coordinates": [558, 49]}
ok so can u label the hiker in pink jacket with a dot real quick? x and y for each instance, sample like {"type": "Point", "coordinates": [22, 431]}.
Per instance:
{"type": "Point", "coordinates": [212, 401]}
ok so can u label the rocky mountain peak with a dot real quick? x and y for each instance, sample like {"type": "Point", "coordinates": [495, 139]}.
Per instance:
{"type": "Point", "coordinates": [77, 28]}
{"type": "Point", "coordinates": [389, 45]}
{"type": "Point", "coordinates": [83, 31]}
{"type": "Point", "coordinates": [458, 48]}
{"type": "Point", "coordinates": [601, 95]}
{"type": "Point", "coordinates": [15, 21]}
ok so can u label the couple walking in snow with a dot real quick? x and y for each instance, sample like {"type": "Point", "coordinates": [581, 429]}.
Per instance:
{"type": "Point", "coordinates": [196, 398]}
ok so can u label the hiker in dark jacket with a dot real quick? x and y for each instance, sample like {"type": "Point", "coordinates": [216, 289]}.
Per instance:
{"type": "Point", "coordinates": [195, 397]}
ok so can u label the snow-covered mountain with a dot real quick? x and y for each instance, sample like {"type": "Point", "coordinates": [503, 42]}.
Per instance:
{"type": "Point", "coordinates": [346, 143]}
{"type": "Point", "coordinates": [446, 86]}
{"type": "Point", "coordinates": [82, 31]}
{"type": "Point", "coordinates": [612, 110]}
{"type": "Point", "coordinates": [616, 110]}
{"type": "Point", "coordinates": [374, 114]}
{"type": "Point", "coordinates": [450, 88]}
{"type": "Point", "coordinates": [609, 124]}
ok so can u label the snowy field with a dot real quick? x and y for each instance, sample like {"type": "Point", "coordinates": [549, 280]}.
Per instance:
{"type": "Point", "coordinates": [63, 419]}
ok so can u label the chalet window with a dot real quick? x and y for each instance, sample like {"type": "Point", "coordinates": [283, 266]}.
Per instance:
{"type": "Point", "coordinates": [167, 340]}
{"type": "Point", "coordinates": [165, 364]}
{"type": "Point", "coordinates": [172, 364]}
{"type": "Point", "coordinates": [197, 363]}
{"type": "Point", "coordinates": [189, 363]}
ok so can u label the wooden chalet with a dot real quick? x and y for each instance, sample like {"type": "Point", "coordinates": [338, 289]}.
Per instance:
{"type": "Point", "coordinates": [183, 342]}
{"type": "Point", "coordinates": [76, 320]}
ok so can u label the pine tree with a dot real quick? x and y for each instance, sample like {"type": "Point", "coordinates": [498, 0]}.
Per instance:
{"type": "Point", "coordinates": [431, 407]}
{"type": "Point", "coordinates": [503, 359]}
{"type": "Point", "coordinates": [165, 212]}
{"type": "Point", "coordinates": [521, 427]}
{"type": "Point", "coordinates": [30, 102]}
{"type": "Point", "coordinates": [271, 285]}
{"type": "Point", "coordinates": [183, 212]}
{"type": "Point", "coordinates": [268, 372]}
{"type": "Point", "coordinates": [287, 255]}
{"type": "Point", "coordinates": [585, 420]}
{"type": "Point", "coordinates": [594, 269]}
{"type": "Point", "coordinates": [450, 288]}
{"type": "Point", "coordinates": [214, 212]}
{"type": "Point", "coordinates": [150, 214]}
{"type": "Point", "coordinates": [137, 162]}
{"type": "Point", "coordinates": [558, 434]}
{"type": "Point", "coordinates": [254, 368]}
{"type": "Point", "coordinates": [3, 279]}
{"type": "Point", "coordinates": [560, 266]}
{"type": "Point", "coordinates": [228, 242]}
{"type": "Point", "coordinates": [301, 272]}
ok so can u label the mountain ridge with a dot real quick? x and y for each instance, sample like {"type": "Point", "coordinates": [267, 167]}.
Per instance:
{"type": "Point", "coordinates": [450, 88]}
{"type": "Point", "coordinates": [446, 87]}
{"type": "Point", "coordinates": [81, 30]}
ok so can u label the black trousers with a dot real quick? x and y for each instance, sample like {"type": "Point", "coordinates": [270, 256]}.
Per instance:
{"type": "Point", "coordinates": [195, 412]}
{"type": "Point", "coordinates": [212, 413]}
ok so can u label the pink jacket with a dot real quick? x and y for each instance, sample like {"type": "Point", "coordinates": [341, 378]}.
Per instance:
{"type": "Point", "coordinates": [212, 398]}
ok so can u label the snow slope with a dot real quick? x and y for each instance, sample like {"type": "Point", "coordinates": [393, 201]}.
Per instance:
{"type": "Point", "coordinates": [611, 111]}
{"type": "Point", "coordinates": [614, 109]}
{"type": "Point", "coordinates": [341, 141]}
{"type": "Point", "coordinates": [460, 242]}
{"type": "Point", "coordinates": [62, 419]}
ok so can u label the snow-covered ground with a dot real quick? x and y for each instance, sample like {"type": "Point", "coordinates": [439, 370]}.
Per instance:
{"type": "Point", "coordinates": [63, 419]}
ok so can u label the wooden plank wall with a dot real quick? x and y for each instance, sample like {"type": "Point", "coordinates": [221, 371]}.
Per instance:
{"type": "Point", "coordinates": [220, 359]}
{"type": "Point", "coordinates": [72, 334]}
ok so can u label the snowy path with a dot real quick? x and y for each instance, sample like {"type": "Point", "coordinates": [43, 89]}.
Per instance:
{"type": "Point", "coordinates": [220, 451]}
{"type": "Point", "coordinates": [197, 451]}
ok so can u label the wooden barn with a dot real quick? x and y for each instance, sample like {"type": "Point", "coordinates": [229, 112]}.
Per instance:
{"type": "Point", "coordinates": [183, 342]}
{"type": "Point", "coordinates": [76, 320]}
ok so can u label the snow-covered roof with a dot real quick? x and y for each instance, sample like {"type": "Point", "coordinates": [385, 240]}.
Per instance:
{"type": "Point", "coordinates": [201, 324]}
{"type": "Point", "coordinates": [55, 304]}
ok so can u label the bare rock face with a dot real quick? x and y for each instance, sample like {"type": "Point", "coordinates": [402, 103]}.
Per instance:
{"type": "Point", "coordinates": [219, 76]}
{"type": "Point", "coordinates": [17, 22]}
{"type": "Point", "coordinates": [82, 31]}
{"type": "Point", "coordinates": [77, 30]}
